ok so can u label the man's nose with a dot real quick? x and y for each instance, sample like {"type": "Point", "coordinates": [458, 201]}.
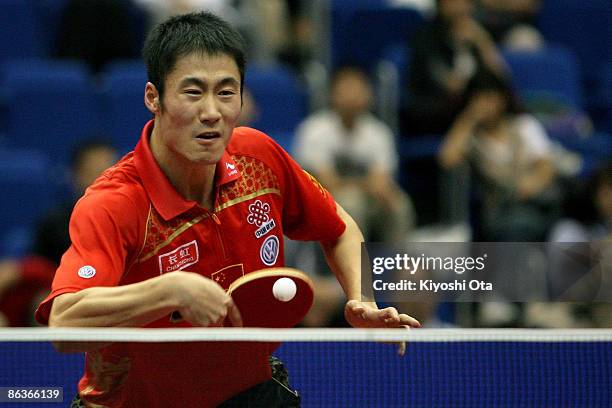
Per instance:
{"type": "Point", "coordinates": [209, 110]}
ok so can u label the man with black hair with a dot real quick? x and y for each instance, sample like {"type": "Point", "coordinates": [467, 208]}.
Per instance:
{"type": "Point", "coordinates": [174, 223]}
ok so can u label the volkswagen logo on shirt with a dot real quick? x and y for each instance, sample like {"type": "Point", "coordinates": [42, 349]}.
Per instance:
{"type": "Point", "coordinates": [269, 250]}
{"type": "Point", "coordinates": [87, 272]}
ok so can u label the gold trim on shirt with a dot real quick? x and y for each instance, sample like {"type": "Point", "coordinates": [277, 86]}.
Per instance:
{"type": "Point", "coordinates": [247, 197]}
{"type": "Point", "coordinates": [175, 234]}
{"type": "Point", "coordinates": [201, 217]}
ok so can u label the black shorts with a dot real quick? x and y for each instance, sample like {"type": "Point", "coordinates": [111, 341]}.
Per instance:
{"type": "Point", "coordinates": [276, 392]}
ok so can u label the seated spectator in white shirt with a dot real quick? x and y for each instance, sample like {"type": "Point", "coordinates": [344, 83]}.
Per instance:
{"type": "Point", "coordinates": [353, 154]}
{"type": "Point", "coordinates": [511, 155]}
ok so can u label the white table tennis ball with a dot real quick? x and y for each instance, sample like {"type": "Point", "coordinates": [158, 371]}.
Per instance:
{"type": "Point", "coordinates": [284, 289]}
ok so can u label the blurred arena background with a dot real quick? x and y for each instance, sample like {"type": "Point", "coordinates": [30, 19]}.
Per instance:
{"type": "Point", "coordinates": [70, 72]}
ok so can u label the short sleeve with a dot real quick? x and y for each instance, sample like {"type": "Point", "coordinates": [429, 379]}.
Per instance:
{"type": "Point", "coordinates": [309, 210]}
{"type": "Point", "coordinates": [534, 137]}
{"type": "Point", "coordinates": [103, 233]}
{"type": "Point", "coordinates": [386, 151]}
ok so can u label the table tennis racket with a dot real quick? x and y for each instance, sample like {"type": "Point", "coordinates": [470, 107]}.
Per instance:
{"type": "Point", "coordinates": [252, 294]}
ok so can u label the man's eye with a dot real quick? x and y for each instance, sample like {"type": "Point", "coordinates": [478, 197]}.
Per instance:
{"type": "Point", "coordinates": [192, 92]}
{"type": "Point", "coordinates": [227, 92]}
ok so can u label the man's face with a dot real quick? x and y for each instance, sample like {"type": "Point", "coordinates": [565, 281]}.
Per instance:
{"type": "Point", "coordinates": [200, 107]}
{"type": "Point", "coordinates": [492, 106]}
{"type": "Point", "coordinates": [452, 10]}
{"type": "Point", "coordinates": [351, 95]}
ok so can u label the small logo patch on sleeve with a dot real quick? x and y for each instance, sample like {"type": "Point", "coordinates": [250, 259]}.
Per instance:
{"type": "Point", "coordinates": [87, 272]}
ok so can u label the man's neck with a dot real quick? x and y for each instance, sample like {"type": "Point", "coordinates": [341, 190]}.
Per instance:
{"type": "Point", "coordinates": [348, 122]}
{"type": "Point", "coordinates": [193, 181]}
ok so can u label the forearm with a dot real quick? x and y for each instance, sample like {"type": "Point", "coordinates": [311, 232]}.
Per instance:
{"type": "Point", "coordinates": [488, 50]}
{"type": "Point", "coordinates": [455, 144]}
{"type": "Point", "coordinates": [537, 180]}
{"type": "Point", "coordinates": [132, 305]}
{"type": "Point", "coordinates": [344, 256]}
{"type": "Point", "coordinates": [491, 56]}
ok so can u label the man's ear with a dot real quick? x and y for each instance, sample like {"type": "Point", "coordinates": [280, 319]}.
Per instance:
{"type": "Point", "coordinates": [151, 99]}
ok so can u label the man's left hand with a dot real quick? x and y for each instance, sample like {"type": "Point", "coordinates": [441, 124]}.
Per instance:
{"type": "Point", "coordinates": [368, 315]}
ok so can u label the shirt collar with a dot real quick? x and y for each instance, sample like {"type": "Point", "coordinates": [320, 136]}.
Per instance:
{"type": "Point", "coordinates": [166, 200]}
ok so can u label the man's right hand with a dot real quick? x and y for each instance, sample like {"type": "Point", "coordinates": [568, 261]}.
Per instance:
{"type": "Point", "coordinates": [203, 302]}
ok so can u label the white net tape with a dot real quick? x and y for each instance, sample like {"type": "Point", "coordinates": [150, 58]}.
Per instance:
{"type": "Point", "coordinates": [303, 335]}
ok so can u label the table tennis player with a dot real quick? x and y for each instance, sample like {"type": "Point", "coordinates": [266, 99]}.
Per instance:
{"type": "Point", "coordinates": [196, 205]}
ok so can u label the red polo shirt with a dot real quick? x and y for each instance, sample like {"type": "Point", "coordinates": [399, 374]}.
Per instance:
{"type": "Point", "coordinates": [132, 225]}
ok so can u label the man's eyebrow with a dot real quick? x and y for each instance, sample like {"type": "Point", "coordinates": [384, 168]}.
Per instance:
{"type": "Point", "coordinates": [229, 81]}
{"type": "Point", "coordinates": [192, 81]}
{"type": "Point", "coordinates": [202, 84]}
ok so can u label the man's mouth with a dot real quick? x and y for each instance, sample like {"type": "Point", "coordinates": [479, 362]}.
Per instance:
{"type": "Point", "coordinates": [209, 135]}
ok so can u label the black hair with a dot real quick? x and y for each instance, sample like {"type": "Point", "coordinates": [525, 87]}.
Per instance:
{"type": "Point", "coordinates": [181, 35]}
{"type": "Point", "coordinates": [485, 81]}
{"type": "Point", "coordinates": [349, 67]}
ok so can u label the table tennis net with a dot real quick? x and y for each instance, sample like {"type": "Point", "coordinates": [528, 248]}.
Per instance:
{"type": "Point", "coordinates": [354, 368]}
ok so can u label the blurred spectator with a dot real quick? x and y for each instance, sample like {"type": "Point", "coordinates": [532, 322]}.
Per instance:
{"type": "Point", "coordinates": [265, 25]}
{"type": "Point", "coordinates": [278, 31]}
{"type": "Point", "coordinates": [273, 29]}
{"type": "Point", "coordinates": [588, 218]}
{"type": "Point", "coordinates": [298, 50]}
{"type": "Point", "coordinates": [96, 31]}
{"type": "Point", "coordinates": [512, 158]}
{"type": "Point", "coordinates": [353, 154]}
{"type": "Point", "coordinates": [523, 38]}
{"type": "Point", "coordinates": [588, 212]}
{"type": "Point", "coordinates": [23, 282]}
{"type": "Point", "coordinates": [447, 54]}
{"type": "Point", "coordinates": [591, 222]}
{"type": "Point", "coordinates": [160, 10]}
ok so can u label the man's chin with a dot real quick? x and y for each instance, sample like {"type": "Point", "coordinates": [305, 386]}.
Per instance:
{"type": "Point", "coordinates": [206, 158]}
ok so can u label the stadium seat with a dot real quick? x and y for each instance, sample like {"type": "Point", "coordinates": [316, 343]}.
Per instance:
{"type": "Point", "coordinates": [280, 98]}
{"type": "Point", "coordinates": [553, 71]}
{"type": "Point", "coordinates": [400, 56]}
{"type": "Point", "coordinates": [19, 30]}
{"type": "Point", "coordinates": [360, 33]}
{"type": "Point", "coordinates": [26, 190]}
{"type": "Point", "coordinates": [123, 110]}
{"type": "Point", "coordinates": [49, 105]}
{"type": "Point", "coordinates": [358, 4]}
{"type": "Point", "coordinates": [48, 13]}
{"type": "Point", "coordinates": [583, 26]}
